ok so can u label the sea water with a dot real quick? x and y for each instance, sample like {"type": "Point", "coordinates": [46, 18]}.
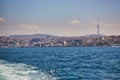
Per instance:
{"type": "Point", "coordinates": [60, 63]}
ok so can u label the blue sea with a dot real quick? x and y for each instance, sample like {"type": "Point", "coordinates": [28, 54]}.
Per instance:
{"type": "Point", "coordinates": [60, 63]}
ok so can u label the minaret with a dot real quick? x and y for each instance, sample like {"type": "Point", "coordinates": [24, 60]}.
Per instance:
{"type": "Point", "coordinates": [97, 27]}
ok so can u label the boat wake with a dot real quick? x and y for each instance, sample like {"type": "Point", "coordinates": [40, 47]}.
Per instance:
{"type": "Point", "coordinates": [21, 71]}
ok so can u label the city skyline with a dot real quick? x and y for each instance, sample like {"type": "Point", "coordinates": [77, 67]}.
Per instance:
{"type": "Point", "coordinates": [59, 17]}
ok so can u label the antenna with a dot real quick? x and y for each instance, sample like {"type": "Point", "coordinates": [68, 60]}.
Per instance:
{"type": "Point", "coordinates": [97, 26]}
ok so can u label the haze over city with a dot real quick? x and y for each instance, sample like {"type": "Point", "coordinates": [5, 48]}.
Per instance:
{"type": "Point", "coordinates": [59, 17]}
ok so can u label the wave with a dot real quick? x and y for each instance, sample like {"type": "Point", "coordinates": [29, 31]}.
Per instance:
{"type": "Point", "coordinates": [21, 71]}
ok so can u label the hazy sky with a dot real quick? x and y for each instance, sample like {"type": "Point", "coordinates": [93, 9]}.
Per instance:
{"type": "Point", "coordinates": [59, 17]}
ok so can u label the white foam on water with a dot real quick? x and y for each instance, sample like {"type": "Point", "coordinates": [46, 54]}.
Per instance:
{"type": "Point", "coordinates": [21, 71]}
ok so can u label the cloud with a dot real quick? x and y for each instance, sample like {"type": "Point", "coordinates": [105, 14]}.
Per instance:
{"type": "Point", "coordinates": [29, 27]}
{"type": "Point", "coordinates": [21, 29]}
{"type": "Point", "coordinates": [75, 21]}
{"type": "Point", "coordinates": [2, 19]}
{"type": "Point", "coordinates": [112, 25]}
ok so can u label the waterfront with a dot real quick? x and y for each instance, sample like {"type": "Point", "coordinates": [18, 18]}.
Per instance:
{"type": "Point", "coordinates": [60, 63]}
{"type": "Point", "coordinates": [44, 40]}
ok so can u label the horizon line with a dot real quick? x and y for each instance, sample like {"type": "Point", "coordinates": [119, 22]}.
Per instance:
{"type": "Point", "coordinates": [63, 35]}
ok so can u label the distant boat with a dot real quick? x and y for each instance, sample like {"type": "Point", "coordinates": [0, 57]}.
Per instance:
{"type": "Point", "coordinates": [115, 46]}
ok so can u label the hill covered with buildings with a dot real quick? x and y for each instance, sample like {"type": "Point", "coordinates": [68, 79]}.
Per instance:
{"type": "Point", "coordinates": [44, 40]}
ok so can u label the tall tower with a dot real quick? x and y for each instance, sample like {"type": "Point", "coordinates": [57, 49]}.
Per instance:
{"type": "Point", "coordinates": [97, 27]}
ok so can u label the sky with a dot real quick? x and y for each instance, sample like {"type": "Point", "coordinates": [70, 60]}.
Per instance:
{"type": "Point", "coordinates": [59, 17]}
